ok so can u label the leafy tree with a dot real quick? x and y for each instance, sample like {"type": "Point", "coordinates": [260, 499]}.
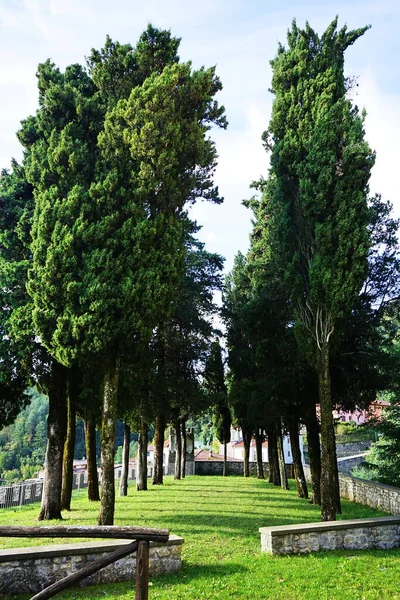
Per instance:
{"type": "Point", "coordinates": [16, 203]}
{"type": "Point", "coordinates": [107, 231]}
{"type": "Point", "coordinates": [320, 167]}
{"type": "Point", "coordinates": [384, 457]}
{"type": "Point", "coordinates": [214, 380]}
{"type": "Point", "coordinates": [23, 443]}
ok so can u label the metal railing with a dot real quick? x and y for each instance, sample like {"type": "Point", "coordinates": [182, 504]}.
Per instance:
{"type": "Point", "coordinates": [20, 494]}
{"type": "Point", "coordinates": [140, 536]}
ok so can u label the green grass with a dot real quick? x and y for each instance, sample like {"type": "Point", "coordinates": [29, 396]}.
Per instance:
{"type": "Point", "coordinates": [219, 519]}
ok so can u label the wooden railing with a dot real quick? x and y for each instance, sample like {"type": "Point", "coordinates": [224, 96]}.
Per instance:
{"type": "Point", "coordinates": [141, 536]}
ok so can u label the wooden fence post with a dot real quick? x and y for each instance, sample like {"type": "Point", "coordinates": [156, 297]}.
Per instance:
{"type": "Point", "coordinates": [142, 571]}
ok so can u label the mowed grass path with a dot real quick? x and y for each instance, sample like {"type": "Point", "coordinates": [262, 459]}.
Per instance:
{"type": "Point", "coordinates": [219, 519]}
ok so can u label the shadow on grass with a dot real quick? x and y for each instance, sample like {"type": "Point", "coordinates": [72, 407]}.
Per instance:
{"type": "Point", "coordinates": [188, 575]}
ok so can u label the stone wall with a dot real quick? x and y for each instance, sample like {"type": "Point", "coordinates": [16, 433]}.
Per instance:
{"type": "Point", "coordinates": [346, 465]}
{"type": "Point", "coordinates": [29, 570]}
{"type": "Point", "coordinates": [350, 448]}
{"type": "Point", "coordinates": [215, 467]}
{"type": "Point", "coordinates": [361, 534]}
{"type": "Point", "coordinates": [376, 495]}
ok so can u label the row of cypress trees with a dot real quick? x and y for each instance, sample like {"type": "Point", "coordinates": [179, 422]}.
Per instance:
{"type": "Point", "coordinates": [99, 254]}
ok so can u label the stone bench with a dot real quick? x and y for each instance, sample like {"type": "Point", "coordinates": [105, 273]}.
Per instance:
{"type": "Point", "coordinates": [357, 534]}
{"type": "Point", "coordinates": [29, 570]}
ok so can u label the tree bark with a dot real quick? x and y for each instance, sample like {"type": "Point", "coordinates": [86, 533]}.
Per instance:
{"type": "Point", "coordinates": [281, 456]}
{"type": "Point", "coordinates": [301, 484]}
{"type": "Point", "coordinates": [159, 438]}
{"type": "Point", "coordinates": [111, 378]}
{"type": "Point", "coordinates": [184, 448]}
{"type": "Point", "coordinates": [56, 431]}
{"type": "Point", "coordinates": [314, 453]}
{"type": "Point", "coordinates": [123, 484]}
{"type": "Point", "coordinates": [274, 475]}
{"type": "Point", "coordinates": [259, 442]}
{"type": "Point", "coordinates": [246, 453]}
{"type": "Point", "coordinates": [69, 447]}
{"type": "Point", "coordinates": [178, 450]}
{"type": "Point", "coordinates": [90, 443]}
{"type": "Point", "coordinates": [141, 461]}
{"type": "Point", "coordinates": [224, 470]}
{"type": "Point", "coordinates": [329, 476]}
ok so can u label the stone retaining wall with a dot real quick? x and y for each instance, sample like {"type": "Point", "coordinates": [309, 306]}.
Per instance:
{"type": "Point", "coordinates": [376, 495]}
{"type": "Point", "coordinates": [215, 467]}
{"type": "Point", "coordinates": [360, 534]}
{"type": "Point", "coordinates": [350, 448]}
{"type": "Point", "coordinates": [29, 570]}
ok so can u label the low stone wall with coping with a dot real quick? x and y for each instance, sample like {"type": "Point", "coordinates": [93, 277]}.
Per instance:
{"type": "Point", "coordinates": [376, 495]}
{"type": "Point", "coordinates": [360, 534]}
{"type": "Point", "coordinates": [29, 570]}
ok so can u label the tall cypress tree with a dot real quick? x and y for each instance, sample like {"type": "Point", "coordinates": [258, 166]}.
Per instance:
{"type": "Point", "coordinates": [320, 167]}
{"type": "Point", "coordinates": [108, 245]}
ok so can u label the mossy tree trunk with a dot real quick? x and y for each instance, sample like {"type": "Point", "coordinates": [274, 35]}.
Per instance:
{"type": "Point", "coordinates": [246, 453]}
{"type": "Point", "coordinates": [274, 475]}
{"type": "Point", "coordinates": [281, 456]}
{"type": "Point", "coordinates": [184, 448]}
{"type": "Point", "coordinates": [314, 452]}
{"type": "Point", "coordinates": [69, 447]}
{"type": "Point", "coordinates": [141, 461]}
{"type": "Point", "coordinates": [178, 450]}
{"type": "Point", "coordinates": [123, 484]}
{"type": "Point", "coordinates": [56, 432]}
{"type": "Point", "coordinates": [329, 474]}
{"type": "Point", "coordinates": [90, 445]}
{"type": "Point", "coordinates": [259, 443]}
{"type": "Point", "coordinates": [301, 484]}
{"type": "Point", "coordinates": [111, 378]}
{"type": "Point", "coordinates": [159, 438]}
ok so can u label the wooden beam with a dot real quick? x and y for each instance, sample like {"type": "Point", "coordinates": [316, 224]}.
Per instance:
{"type": "Point", "coordinates": [142, 571]}
{"type": "Point", "coordinates": [95, 566]}
{"type": "Point", "coordinates": [95, 531]}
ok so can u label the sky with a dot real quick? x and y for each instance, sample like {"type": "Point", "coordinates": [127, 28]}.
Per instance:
{"type": "Point", "coordinates": [240, 37]}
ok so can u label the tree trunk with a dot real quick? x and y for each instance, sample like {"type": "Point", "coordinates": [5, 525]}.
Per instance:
{"type": "Point", "coordinates": [141, 461]}
{"type": "Point", "coordinates": [224, 470]}
{"type": "Point", "coordinates": [56, 431]}
{"type": "Point", "coordinates": [301, 484]}
{"type": "Point", "coordinates": [314, 453]}
{"type": "Point", "coordinates": [274, 475]}
{"type": "Point", "coordinates": [90, 444]}
{"type": "Point", "coordinates": [281, 456]}
{"type": "Point", "coordinates": [259, 443]}
{"type": "Point", "coordinates": [159, 437]}
{"type": "Point", "coordinates": [69, 447]}
{"type": "Point", "coordinates": [246, 453]}
{"type": "Point", "coordinates": [111, 378]}
{"type": "Point", "coordinates": [178, 450]}
{"type": "Point", "coordinates": [123, 484]}
{"type": "Point", "coordinates": [184, 448]}
{"type": "Point", "coordinates": [329, 476]}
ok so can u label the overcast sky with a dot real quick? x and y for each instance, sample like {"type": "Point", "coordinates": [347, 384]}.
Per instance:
{"type": "Point", "coordinates": [239, 37]}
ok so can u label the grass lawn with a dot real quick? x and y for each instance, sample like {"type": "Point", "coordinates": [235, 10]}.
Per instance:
{"type": "Point", "coordinates": [219, 519]}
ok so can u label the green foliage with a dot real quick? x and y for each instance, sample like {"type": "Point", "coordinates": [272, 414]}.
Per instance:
{"type": "Point", "coordinates": [320, 167]}
{"type": "Point", "coordinates": [214, 382]}
{"type": "Point", "coordinates": [385, 452]}
{"type": "Point", "coordinates": [23, 444]}
{"type": "Point", "coordinates": [16, 344]}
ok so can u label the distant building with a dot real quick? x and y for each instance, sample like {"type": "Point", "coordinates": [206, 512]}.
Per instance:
{"type": "Point", "coordinates": [359, 417]}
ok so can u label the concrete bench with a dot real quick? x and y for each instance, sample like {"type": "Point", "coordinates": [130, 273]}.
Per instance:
{"type": "Point", "coordinates": [357, 534]}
